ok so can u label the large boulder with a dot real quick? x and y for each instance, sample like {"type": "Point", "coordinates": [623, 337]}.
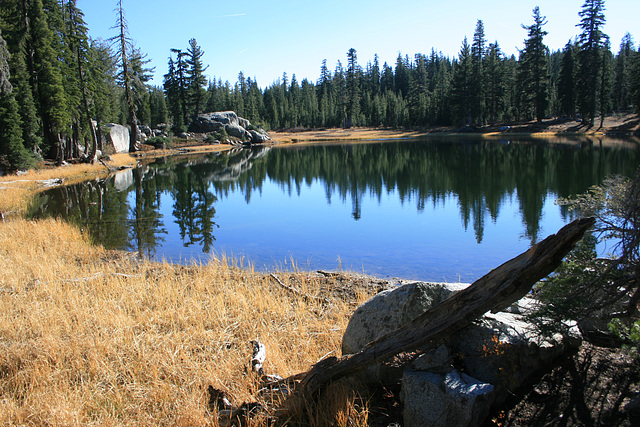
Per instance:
{"type": "Point", "coordinates": [117, 137]}
{"type": "Point", "coordinates": [233, 125]}
{"type": "Point", "coordinates": [237, 131]}
{"type": "Point", "coordinates": [499, 349]}
{"type": "Point", "coordinates": [390, 309]}
{"type": "Point", "coordinates": [452, 399]}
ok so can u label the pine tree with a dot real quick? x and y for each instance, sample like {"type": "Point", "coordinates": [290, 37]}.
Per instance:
{"type": "Point", "coordinates": [172, 89]}
{"type": "Point", "coordinates": [13, 19]}
{"type": "Point", "coordinates": [634, 81]}
{"type": "Point", "coordinates": [353, 88]}
{"type": "Point", "coordinates": [401, 76]}
{"type": "Point", "coordinates": [477, 94]}
{"type": "Point", "coordinates": [11, 144]}
{"type": "Point", "coordinates": [42, 64]}
{"type": "Point", "coordinates": [463, 83]}
{"type": "Point", "coordinates": [102, 83]}
{"type": "Point", "coordinates": [591, 42]}
{"type": "Point", "coordinates": [77, 44]}
{"type": "Point", "coordinates": [533, 68]}
{"type": "Point", "coordinates": [140, 76]}
{"type": "Point", "coordinates": [158, 107]}
{"type": "Point", "coordinates": [196, 79]}
{"type": "Point", "coordinates": [418, 99]}
{"type": "Point", "coordinates": [604, 90]}
{"type": "Point", "coordinates": [567, 80]}
{"type": "Point", "coordinates": [622, 71]}
{"type": "Point", "coordinates": [495, 84]}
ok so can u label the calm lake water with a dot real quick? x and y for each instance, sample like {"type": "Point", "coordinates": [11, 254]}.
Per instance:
{"type": "Point", "coordinates": [437, 209]}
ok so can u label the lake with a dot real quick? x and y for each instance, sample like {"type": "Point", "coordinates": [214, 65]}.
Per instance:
{"type": "Point", "coordinates": [439, 209]}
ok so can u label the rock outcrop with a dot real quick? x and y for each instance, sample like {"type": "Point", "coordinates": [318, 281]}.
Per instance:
{"type": "Point", "coordinates": [232, 125]}
{"type": "Point", "coordinates": [497, 354]}
{"type": "Point", "coordinates": [117, 137]}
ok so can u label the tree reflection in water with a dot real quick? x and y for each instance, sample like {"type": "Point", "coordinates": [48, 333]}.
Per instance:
{"type": "Point", "coordinates": [126, 211]}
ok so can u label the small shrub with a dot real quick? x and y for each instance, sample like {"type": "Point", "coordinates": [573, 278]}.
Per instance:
{"type": "Point", "coordinates": [159, 142]}
{"type": "Point", "coordinates": [588, 287]}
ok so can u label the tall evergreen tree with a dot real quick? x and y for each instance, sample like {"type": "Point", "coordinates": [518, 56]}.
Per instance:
{"type": "Point", "coordinates": [634, 81]}
{"type": "Point", "coordinates": [140, 76]}
{"type": "Point", "coordinates": [11, 144]}
{"type": "Point", "coordinates": [77, 43]}
{"type": "Point", "coordinates": [174, 90]}
{"type": "Point", "coordinates": [14, 21]}
{"type": "Point", "coordinates": [533, 68]}
{"type": "Point", "coordinates": [604, 91]}
{"type": "Point", "coordinates": [622, 70]}
{"type": "Point", "coordinates": [477, 94]}
{"type": "Point", "coordinates": [463, 83]}
{"type": "Point", "coordinates": [102, 82]}
{"type": "Point", "coordinates": [495, 83]}
{"type": "Point", "coordinates": [353, 88]}
{"type": "Point", "coordinates": [591, 42]}
{"type": "Point", "coordinates": [402, 75]}
{"type": "Point", "coordinates": [46, 79]}
{"type": "Point", "coordinates": [196, 80]}
{"type": "Point", "coordinates": [567, 80]}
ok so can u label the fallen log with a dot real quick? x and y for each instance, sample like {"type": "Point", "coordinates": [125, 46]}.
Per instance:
{"type": "Point", "coordinates": [493, 292]}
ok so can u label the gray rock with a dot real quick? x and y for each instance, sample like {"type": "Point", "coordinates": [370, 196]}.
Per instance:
{"type": "Point", "coordinates": [259, 137]}
{"type": "Point", "coordinates": [238, 132]}
{"type": "Point", "coordinates": [243, 123]}
{"type": "Point", "coordinates": [391, 309]}
{"type": "Point", "coordinates": [438, 360]}
{"type": "Point", "coordinates": [117, 137]}
{"type": "Point", "coordinates": [233, 125]}
{"type": "Point", "coordinates": [453, 399]}
{"type": "Point", "coordinates": [144, 129]}
{"type": "Point", "coordinates": [224, 117]}
{"type": "Point", "coordinates": [504, 350]}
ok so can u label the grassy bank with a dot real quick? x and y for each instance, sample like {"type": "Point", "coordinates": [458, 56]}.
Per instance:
{"type": "Point", "coordinates": [90, 336]}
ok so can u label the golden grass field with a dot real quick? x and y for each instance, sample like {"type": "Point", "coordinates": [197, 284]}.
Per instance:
{"type": "Point", "coordinates": [96, 337]}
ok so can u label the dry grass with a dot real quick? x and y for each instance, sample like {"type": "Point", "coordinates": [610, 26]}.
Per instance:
{"type": "Point", "coordinates": [16, 191]}
{"type": "Point", "coordinates": [89, 336]}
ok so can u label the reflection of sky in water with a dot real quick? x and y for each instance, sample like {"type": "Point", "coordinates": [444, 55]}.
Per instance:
{"type": "Point", "coordinates": [391, 239]}
{"type": "Point", "coordinates": [397, 233]}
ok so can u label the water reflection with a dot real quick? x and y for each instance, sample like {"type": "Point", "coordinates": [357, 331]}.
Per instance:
{"type": "Point", "coordinates": [480, 178]}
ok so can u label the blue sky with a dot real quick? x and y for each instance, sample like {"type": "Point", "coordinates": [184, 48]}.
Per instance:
{"type": "Point", "coordinates": [263, 39]}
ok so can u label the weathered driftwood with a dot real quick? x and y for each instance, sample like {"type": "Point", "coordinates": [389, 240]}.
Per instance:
{"type": "Point", "coordinates": [492, 292]}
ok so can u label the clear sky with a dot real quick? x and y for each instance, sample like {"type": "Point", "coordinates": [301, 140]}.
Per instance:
{"type": "Point", "coordinates": [263, 38]}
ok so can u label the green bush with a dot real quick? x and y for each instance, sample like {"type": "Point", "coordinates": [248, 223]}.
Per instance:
{"type": "Point", "coordinates": [159, 141]}
{"type": "Point", "coordinates": [588, 287]}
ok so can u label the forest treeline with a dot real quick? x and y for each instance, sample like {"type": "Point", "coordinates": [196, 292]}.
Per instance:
{"type": "Point", "coordinates": [57, 84]}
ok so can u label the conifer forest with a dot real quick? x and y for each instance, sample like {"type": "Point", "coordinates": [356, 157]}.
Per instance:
{"type": "Point", "coordinates": [58, 85]}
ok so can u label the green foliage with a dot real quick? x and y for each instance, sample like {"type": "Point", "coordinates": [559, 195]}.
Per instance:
{"type": "Point", "coordinates": [533, 74]}
{"type": "Point", "coordinates": [159, 141]}
{"type": "Point", "coordinates": [587, 287]}
{"type": "Point", "coordinates": [220, 135]}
